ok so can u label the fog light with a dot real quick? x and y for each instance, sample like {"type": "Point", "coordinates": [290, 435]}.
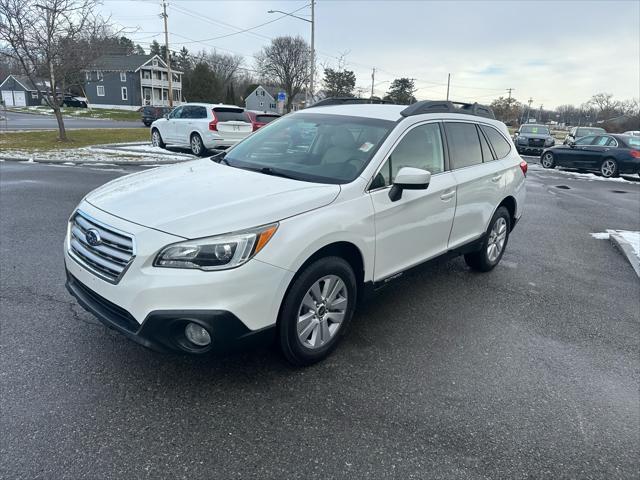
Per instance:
{"type": "Point", "coordinates": [197, 334]}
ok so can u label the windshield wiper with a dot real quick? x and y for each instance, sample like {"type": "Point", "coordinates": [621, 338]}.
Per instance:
{"type": "Point", "coordinates": [275, 173]}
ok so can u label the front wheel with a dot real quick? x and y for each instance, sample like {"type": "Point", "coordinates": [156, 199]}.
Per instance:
{"type": "Point", "coordinates": [156, 139]}
{"type": "Point", "coordinates": [548, 160]}
{"type": "Point", "coordinates": [609, 168]}
{"type": "Point", "coordinates": [316, 310]}
{"type": "Point", "coordinates": [494, 244]}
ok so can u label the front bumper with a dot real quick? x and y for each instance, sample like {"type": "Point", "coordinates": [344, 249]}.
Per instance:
{"type": "Point", "coordinates": [525, 149]}
{"type": "Point", "coordinates": [163, 330]}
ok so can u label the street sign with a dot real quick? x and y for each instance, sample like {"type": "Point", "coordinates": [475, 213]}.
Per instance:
{"type": "Point", "coordinates": [282, 96]}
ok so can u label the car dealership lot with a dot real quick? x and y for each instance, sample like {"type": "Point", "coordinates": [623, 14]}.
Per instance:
{"type": "Point", "coordinates": [530, 370]}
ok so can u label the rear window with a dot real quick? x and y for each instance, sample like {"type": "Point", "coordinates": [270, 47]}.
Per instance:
{"type": "Point", "coordinates": [498, 142]}
{"type": "Point", "coordinates": [230, 114]}
{"type": "Point", "coordinates": [583, 132]}
{"type": "Point", "coordinates": [265, 118]}
{"type": "Point", "coordinates": [633, 142]}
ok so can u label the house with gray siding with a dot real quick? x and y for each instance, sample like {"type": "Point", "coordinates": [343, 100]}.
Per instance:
{"type": "Point", "coordinates": [19, 91]}
{"type": "Point", "coordinates": [130, 82]}
{"type": "Point", "coordinates": [262, 99]}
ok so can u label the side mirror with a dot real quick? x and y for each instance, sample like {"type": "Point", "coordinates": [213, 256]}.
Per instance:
{"type": "Point", "coordinates": [166, 115]}
{"type": "Point", "coordinates": [516, 134]}
{"type": "Point", "coordinates": [409, 178]}
{"type": "Point", "coordinates": [571, 143]}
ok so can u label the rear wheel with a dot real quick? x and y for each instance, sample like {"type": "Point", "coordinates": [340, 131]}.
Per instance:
{"type": "Point", "coordinates": [548, 160]}
{"type": "Point", "coordinates": [197, 147]}
{"type": "Point", "coordinates": [494, 243]}
{"type": "Point", "coordinates": [609, 168]}
{"type": "Point", "coordinates": [156, 139]}
{"type": "Point", "coordinates": [316, 310]}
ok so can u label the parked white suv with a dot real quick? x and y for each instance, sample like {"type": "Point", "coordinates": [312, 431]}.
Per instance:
{"type": "Point", "coordinates": [201, 126]}
{"type": "Point", "coordinates": [283, 233]}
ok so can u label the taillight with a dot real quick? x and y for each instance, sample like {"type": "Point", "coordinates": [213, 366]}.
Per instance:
{"type": "Point", "coordinates": [635, 153]}
{"type": "Point", "coordinates": [213, 124]}
{"type": "Point", "coordinates": [524, 166]}
{"type": "Point", "coordinates": [255, 126]}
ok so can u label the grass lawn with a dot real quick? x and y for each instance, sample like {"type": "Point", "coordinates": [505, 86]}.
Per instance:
{"type": "Point", "coordinates": [36, 141]}
{"type": "Point", "coordinates": [110, 114]}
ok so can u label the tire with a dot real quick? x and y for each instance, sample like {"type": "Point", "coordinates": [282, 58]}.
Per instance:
{"type": "Point", "coordinates": [494, 244]}
{"type": "Point", "coordinates": [609, 168]}
{"type": "Point", "coordinates": [146, 124]}
{"type": "Point", "coordinates": [309, 332]}
{"type": "Point", "coordinates": [197, 146]}
{"type": "Point", "coordinates": [548, 160]}
{"type": "Point", "coordinates": [156, 139]}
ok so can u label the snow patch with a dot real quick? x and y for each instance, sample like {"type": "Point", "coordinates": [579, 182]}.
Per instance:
{"type": "Point", "coordinates": [633, 238]}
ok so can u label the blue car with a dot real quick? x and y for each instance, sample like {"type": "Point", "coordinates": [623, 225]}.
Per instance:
{"type": "Point", "coordinates": [605, 153]}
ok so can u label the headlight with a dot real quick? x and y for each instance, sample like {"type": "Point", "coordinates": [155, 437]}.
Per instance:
{"type": "Point", "coordinates": [551, 141]}
{"type": "Point", "coordinates": [520, 137]}
{"type": "Point", "coordinates": [216, 253]}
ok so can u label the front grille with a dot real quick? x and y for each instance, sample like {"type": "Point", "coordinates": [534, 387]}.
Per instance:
{"type": "Point", "coordinates": [536, 142]}
{"type": "Point", "coordinates": [103, 250]}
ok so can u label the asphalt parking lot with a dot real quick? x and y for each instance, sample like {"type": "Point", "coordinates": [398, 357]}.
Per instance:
{"type": "Point", "coordinates": [530, 371]}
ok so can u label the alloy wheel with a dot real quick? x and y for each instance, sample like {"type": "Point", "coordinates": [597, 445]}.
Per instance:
{"type": "Point", "coordinates": [155, 139]}
{"type": "Point", "coordinates": [608, 168]}
{"type": "Point", "coordinates": [196, 145]}
{"type": "Point", "coordinates": [322, 311]}
{"type": "Point", "coordinates": [497, 237]}
{"type": "Point", "coordinates": [547, 160]}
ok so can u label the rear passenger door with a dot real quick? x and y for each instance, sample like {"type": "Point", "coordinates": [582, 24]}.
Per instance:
{"type": "Point", "coordinates": [480, 178]}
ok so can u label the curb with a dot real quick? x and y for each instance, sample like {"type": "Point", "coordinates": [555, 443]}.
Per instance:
{"type": "Point", "coordinates": [626, 248]}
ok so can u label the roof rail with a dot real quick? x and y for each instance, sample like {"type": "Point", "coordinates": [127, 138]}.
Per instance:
{"type": "Point", "coordinates": [348, 101]}
{"type": "Point", "coordinates": [444, 106]}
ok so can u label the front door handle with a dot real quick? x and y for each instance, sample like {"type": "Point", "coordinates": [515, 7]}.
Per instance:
{"type": "Point", "coordinates": [496, 178]}
{"type": "Point", "coordinates": [448, 195]}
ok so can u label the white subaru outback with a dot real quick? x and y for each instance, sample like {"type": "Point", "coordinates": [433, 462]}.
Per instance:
{"type": "Point", "coordinates": [282, 234]}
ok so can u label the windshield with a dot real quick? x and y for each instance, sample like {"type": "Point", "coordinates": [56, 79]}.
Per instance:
{"type": "Point", "coordinates": [581, 132]}
{"type": "Point", "coordinates": [534, 129]}
{"type": "Point", "coordinates": [265, 118]}
{"type": "Point", "coordinates": [312, 147]}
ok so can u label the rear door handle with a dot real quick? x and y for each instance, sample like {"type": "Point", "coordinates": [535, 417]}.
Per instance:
{"type": "Point", "coordinates": [496, 178]}
{"type": "Point", "coordinates": [448, 195]}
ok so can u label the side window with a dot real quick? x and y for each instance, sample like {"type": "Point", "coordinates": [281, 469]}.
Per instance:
{"type": "Point", "coordinates": [487, 156]}
{"type": "Point", "coordinates": [464, 144]}
{"type": "Point", "coordinates": [585, 140]}
{"type": "Point", "coordinates": [498, 142]}
{"type": "Point", "coordinates": [601, 141]}
{"type": "Point", "coordinates": [421, 148]}
{"type": "Point", "coordinates": [177, 113]}
{"type": "Point", "coordinates": [199, 112]}
{"type": "Point", "coordinates": [612, 142]}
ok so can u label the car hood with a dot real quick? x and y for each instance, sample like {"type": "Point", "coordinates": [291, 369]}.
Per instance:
{"type": "Point", "coordinates": [535, 135]}
{"type": "Point", "coordinates": [201, 198]}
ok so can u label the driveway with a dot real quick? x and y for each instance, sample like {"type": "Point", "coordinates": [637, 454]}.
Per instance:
{"type": "Point", "coordinates": [529, 371]}
{"type": "Point", "coordinates": [33, 121]}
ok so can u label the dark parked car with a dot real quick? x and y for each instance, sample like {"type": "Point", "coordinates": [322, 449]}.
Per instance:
{"type": "Point", "coordinates": [607, 154]}
{"type": "Point", "coordinates": [260, 119]}
{"type": "Point", "coordinates": [151, 114]}
{"type": "Point", "coordinates": [532, 139]}
{"type": "Point", "coordinates": [73, 101]}
{"type": "Point", "coordinates": [578, 132]}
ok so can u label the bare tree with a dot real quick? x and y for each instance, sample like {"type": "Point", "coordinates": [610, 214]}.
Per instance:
{"type": "Point", "coordinates": [41, 36]}
{"type": "Point", "coordinates": [286, 62]}
{"type": "Point", "coordinates": [224, 66]}
{"type": "Point", "coordinates": [604, 105]}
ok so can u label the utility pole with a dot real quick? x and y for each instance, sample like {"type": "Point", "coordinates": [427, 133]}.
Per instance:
{"type": "Point", "coordinates": [510, 90]}
{"type": "Point", "coordinates": [448, 83]}
{"type": "Point", "coordinates": [167, 53]}
{"type": "Point", "coordinates": [313, 52]}
{"type": "Point", "coordinates": [540, 114]}
{"type": "Point", "coordinates": [373, 79]}
{"type": "Point", "coordinates": [529, 109]}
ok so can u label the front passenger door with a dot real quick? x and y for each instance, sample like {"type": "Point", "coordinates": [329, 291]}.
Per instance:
{"type": "Point", "coordinates": [416, 227]}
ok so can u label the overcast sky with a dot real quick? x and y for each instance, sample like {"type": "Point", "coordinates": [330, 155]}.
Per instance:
{"type": "Point", "coordinates": [553, 52]}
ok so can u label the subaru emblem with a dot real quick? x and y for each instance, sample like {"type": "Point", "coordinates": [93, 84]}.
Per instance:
{"type": "Point", "coordinates": [92, 236]}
